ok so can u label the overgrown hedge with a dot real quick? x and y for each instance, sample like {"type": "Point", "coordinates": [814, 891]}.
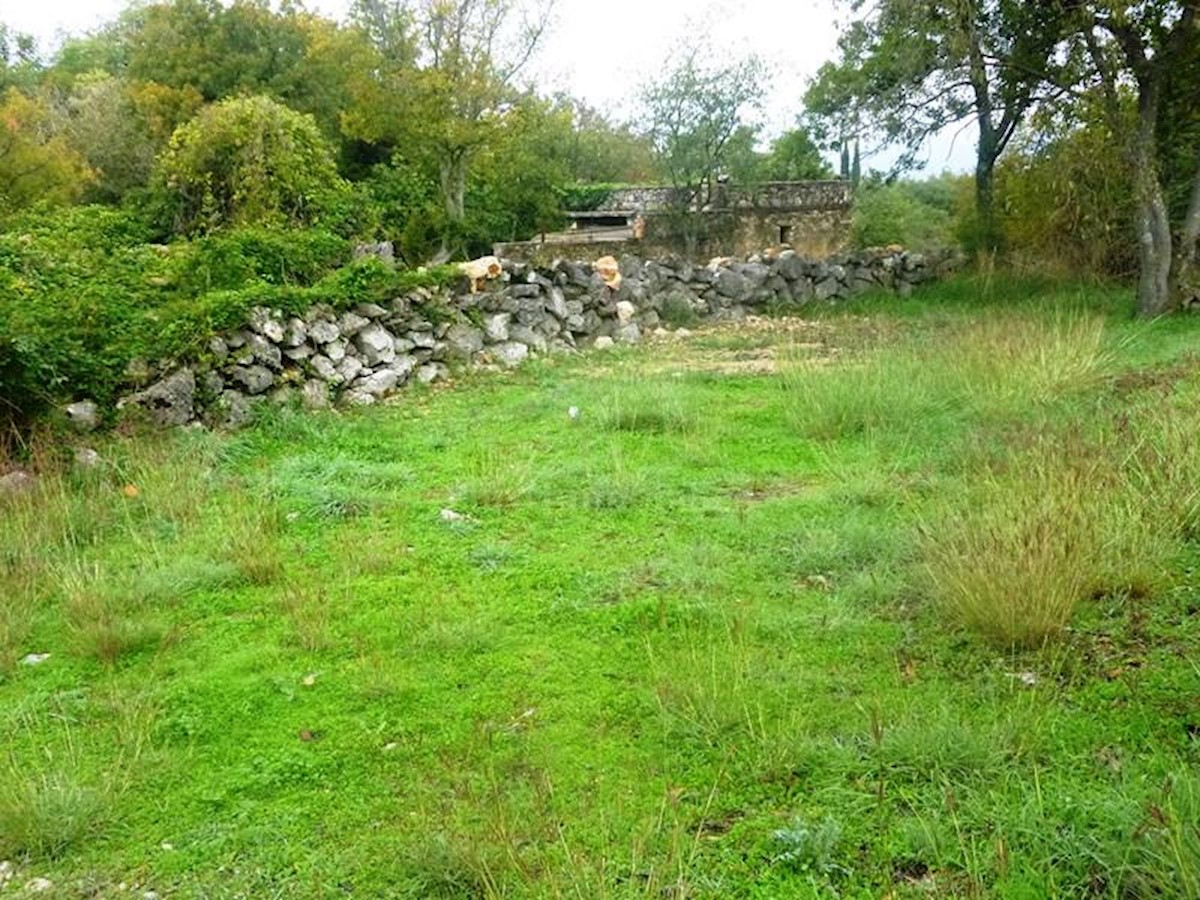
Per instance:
{"type": "Point", "coordinates": [82, 293]}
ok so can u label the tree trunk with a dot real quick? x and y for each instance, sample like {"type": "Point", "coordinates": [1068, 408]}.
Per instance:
{"type": "Point", "coordinates": [985, 202]}
{"type": "Point", "coordinates": [1153, 220]}
{"type": "Point", "coordinates": [1187, 267]}
{"type": "Point", "coordinates": [453, 177]}
{"type": "Point", "coordinates": [453, 171]}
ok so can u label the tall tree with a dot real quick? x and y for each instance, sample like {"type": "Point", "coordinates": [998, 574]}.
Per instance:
{"type": "Point", "coordinates": [695, 115]}
{"type": "Point", "coordinates": [1149, 44]}
{"type": "Point", "coordinates": [794, 156]}
{"type": "Point", "coordinates": [453, 77]}
{"type": "Point", "coordinates": [908, 69]}
{"type": "Point", "coordinates": [19, 62]}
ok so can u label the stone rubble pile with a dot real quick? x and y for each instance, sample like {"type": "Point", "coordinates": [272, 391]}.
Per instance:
{"type": "Point", "coordinates": [357, 357]}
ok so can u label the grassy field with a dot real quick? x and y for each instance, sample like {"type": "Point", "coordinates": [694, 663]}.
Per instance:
{"type": "Point", "coordinates": [898, 601]}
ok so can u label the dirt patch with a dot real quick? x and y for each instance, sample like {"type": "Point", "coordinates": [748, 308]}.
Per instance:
{"type": "Point", "coordinates": [1162, 378]}
{"type": "Point", "coordinates": [748, 347]}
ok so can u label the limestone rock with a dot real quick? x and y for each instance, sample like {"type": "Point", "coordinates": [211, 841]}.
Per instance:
{"type": "Point", "coordinates": [336, 350]}
{"type": "Point", "coordinates": [351, 324]}
{"type": "Point", "coordinates": [325, 369]}
{"type": "Point", "coordinates": [84, 415]}
{"type": "Point", "coordinates": [510, 353]}
{"type": "Point", "coordinates": [495, 326]}
{"type": "Point", "coordinates": [431, 372]}
{"type": "Point", "coordinates": [324, 332]}
{"type": "Point", "coordinates": [522, 334]}
{"type": "Point", "coordinates": [315, 394]}
{"type": "Point", "coordinates": [349, 368]}
{"type": "Point", "coordinates": [255, 379]}
{"type": "Point", "coordinates": [733, 285]}
{"type": "Point", "coordinates": [625, 312]}
{"type": "Point", "coordinates": [629, 334]}
{"type": "Point", "coordinates": [379, 383]}
{"type": "Point", "coordinates": [17, 482]}
{"type": "Point", "coordinates": [168, 402]}
{"type": "Point", "coordinates": [296, 333]}
{"type": "Point", "coordinates": [464, 340]}
{"type": "Point", "coordinates": [376, 344]}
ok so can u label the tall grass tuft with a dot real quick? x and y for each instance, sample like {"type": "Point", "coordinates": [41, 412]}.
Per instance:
{"type": "Point", "coordinates": [986, 367]}
{"type": "Point", "coordinates": [44, 815]}
{"type": "Point", "coordinates": [102, 624]}
{"type": "Point", "coordinates": [648, 407]}
{"type": "Point", "coordinates": [1065, 519]}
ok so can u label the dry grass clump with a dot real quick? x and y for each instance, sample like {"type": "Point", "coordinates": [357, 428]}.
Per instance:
{"type": "Point", "coordinates": [1067, 518]}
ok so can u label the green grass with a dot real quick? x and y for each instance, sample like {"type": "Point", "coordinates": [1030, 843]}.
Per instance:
{"type": "Point", "coordinates": [918, 622]}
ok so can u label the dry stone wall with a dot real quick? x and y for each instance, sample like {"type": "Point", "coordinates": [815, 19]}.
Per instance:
{"type": "Point", "coordinates": [359, 356]}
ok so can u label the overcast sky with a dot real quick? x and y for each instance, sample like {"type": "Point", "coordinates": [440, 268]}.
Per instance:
{"type": "Point", "coordinates": [602, 50]}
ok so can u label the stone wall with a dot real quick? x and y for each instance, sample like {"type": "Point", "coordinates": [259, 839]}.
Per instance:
{"type": "Point", "coordinates": [359, 356]}
{"type": "Point", "coordinates": [791, 195]}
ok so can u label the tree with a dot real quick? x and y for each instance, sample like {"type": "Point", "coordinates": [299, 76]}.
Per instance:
{"type": "Point", "coordinates": [908, 69]}
{"type": "Point", "coordinates": [248, 161]}
{"type": "Point", "coordinates": [695, 118]}
{"type": "Point", "coordinates": [794, 156]}
{"type": "Point", "coordinates": [37, 163]}
{"type": "Point", "coordinates": [603, 152]}
{"type": "Point", "coordinates": [19, 63]}
{"type": "Point", "coordinates": [107, 128]}
{"type": "Point", "coordinates": [1148, 44]}
{"type": "Point", "coordinates": [451, 79]}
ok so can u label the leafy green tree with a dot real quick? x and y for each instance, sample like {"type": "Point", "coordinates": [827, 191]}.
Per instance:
{"type": "Point", "coordinates": [907, 70]}
{"type": "Point", "coordinates": [794, 156]}
{"type": "Point", "coordinates": [449, 85]}
{"type": "Point", "coordinates": [1066, 200]}
{"type": "Point", "coordinates": [602, 152]}
{"type": "Point", "coordinates": [901, 212]}
{"type": "Point", "coordinates": [37, 162]}
{"type": "Point", "coordinates": [106, 127]}
{"type": "Point", "coordinates": [19, 62]}
{"type": "Point", "coordinates": [1148, 44]}
{"type": "Point", "coordinates": [695, 115]}
{"type": "Point", "coordinates": [248, 161]}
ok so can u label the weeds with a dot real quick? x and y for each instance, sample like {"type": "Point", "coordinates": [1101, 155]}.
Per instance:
{"type": "Point", "coordinates": [45, 815]}
{"type": "Point", "coordinates": [103, 624]}
{"type": "Point", "coordinates": [307, 608]}
{"type": "Point", "coordinates": [648, 407]}
{"type": "Point", "coordinates": [983, 369]}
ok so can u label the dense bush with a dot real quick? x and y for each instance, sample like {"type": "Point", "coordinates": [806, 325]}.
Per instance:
{"type": "Point", "coordinates": [82, 293]}
{"type": "Point", "coordinates": [249, 161]}
{"type": "Point", "coordinates": [1070, 205]}
{"type": "Point", "coordinates": [915, 214]}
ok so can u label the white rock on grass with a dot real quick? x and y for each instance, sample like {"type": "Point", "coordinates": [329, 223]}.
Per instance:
{"type": "Point", "coordinates": [510, 353]}
{"type": "Point", "coordinates": [83, 415]}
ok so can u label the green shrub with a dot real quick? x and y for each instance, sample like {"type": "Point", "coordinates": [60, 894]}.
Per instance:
{"type": "Point", "coordinates": [585, 197]}
{"type": "Point", "coordinates": [82, 292]}
{"type": "Point", "coordinates": [231, 260]}
{"type": "Point", "coordinates": [918, 215]}
{"type": "Point", "coordinates": [249, 160]}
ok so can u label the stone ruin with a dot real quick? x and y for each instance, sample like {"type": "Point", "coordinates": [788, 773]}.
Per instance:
{"type": "Point", "coordinates": [812, 218]}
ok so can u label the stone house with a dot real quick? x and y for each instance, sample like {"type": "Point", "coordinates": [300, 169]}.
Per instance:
{"type": "Point", "coordinates": [812, 218]}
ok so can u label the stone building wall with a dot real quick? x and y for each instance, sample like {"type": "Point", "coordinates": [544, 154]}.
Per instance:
{"type": "Point", "coordinates": [361, 355]}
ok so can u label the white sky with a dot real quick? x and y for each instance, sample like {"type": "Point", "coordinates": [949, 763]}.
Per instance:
{"type": "Point", "coordinates": [603, 50]}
